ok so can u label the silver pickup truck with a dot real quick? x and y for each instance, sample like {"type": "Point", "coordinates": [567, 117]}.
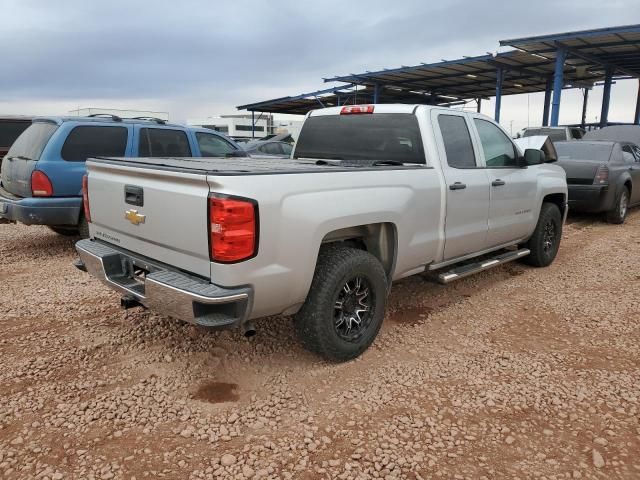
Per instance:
{"type": "Point", "coordinates": [371, 194]}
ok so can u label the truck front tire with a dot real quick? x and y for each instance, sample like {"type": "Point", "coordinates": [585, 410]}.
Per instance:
{"type": "Point", "coordinates": [545, 241]}
{"type": "Point", "coordinates": [344, 309]}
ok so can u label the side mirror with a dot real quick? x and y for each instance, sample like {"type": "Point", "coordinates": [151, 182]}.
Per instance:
{"type": "Point", "coordinates": [533, 156]}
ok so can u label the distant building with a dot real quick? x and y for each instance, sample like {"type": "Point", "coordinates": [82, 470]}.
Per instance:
{"type": "Point", "coordinates": [239, 126]}
{"type": "Point", "coordinates": [236, 126]}
{"type": "Point", "coordinates": [85, 112]}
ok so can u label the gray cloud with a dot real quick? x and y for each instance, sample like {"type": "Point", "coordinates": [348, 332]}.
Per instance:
{"type": "Point", "coordinates": [194, 52]}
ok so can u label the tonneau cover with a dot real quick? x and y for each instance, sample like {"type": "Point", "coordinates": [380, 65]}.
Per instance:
{"type": "Point", "coordinates": [251, 166]}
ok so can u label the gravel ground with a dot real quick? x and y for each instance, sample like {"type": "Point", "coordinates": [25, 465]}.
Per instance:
{"type": "Point", "coordinates": [515, 373]}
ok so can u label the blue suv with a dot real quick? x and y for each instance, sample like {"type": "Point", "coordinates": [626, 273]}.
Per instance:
{"type": "Point", "coordinates": [41, 181]}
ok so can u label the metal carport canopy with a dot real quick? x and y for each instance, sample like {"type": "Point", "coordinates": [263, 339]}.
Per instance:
{"type": "Point", "coordinates": [474, 77]}
{"type": "Point", "coordinates": [616, 47]}
{"type": "Point", "coordinates": [613, 52]}
{"type": "Point", "coordinates": [344, 95]}
{"type": "Point", "coordinates": [547, 63]}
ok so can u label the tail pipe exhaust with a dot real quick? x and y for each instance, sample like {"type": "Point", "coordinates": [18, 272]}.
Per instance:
{"type": "Point", "coordinates": [248, 329]}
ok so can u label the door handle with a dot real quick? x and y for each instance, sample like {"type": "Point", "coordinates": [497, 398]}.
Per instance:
{"type": "Point", "coordinates": [457, 186]}
{"type": "Point", "coordinates": [497, 183]}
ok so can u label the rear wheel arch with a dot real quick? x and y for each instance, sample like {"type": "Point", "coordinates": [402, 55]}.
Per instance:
{"type": "Point", "coordinates": [379, 239]}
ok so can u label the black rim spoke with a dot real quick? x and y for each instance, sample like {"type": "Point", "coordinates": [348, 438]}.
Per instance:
{"type": "Point", "coordinates": [353, 309]}
{"type": "Point", "coordinates": [548, 237]}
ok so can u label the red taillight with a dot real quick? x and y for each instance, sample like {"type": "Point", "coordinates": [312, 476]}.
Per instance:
{"type": "Point", "coordinates": [40, 184]}
{"type": "Point", "coordinates": [356, 109]}
{"type": "Point", "coordinates": [233, 231]}
{"type": "Point", "coordinates": [85, 198]}
{"type": "Point", "coordinates": [602, 176]}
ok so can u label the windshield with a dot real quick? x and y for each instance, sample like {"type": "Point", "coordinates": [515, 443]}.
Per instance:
{"type": "Point", "coordinates": [364, 137]}
{"type": "Point", "coordinates": [583, 151]}
{"type": "Point", "coordinates": [555, 134]}
{"type": "Point", "coordinates": [31, 142]}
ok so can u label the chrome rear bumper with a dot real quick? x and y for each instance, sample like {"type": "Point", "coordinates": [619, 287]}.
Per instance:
{"type": "Point", "coordinates": [166, 291]}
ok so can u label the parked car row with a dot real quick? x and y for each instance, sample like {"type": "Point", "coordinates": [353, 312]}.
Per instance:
{"type": "Point", "coordinates": [603, 176]}
{"type": "Point", "coordinates": [41, 179]}
{"type": "Point", "coordinates": [603, 166]}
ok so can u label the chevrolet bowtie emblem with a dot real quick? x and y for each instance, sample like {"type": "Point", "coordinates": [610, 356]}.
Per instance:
{"type": "Point", "coordinates": [134, 217]}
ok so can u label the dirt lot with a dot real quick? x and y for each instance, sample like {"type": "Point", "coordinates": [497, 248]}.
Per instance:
{"type": "Point", "coordinates": [516, 373]}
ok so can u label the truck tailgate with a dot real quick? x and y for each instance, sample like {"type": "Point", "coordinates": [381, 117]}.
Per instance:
{"type": "Point", "coordinates": [155, 213]}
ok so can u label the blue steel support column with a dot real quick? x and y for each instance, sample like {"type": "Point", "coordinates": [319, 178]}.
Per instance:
{"type": "Point", "coordinates": [606, 96]}
{"type": "Point", "coordinates": [585, 101]}
{"type": "Point", "coordinates": [547, 101]}
{"type": "Point", "coordinates": [376, 93]}
{"type": "Point", "coordinates": [636, 119]}
{"type": "Point", "coordinates": [558, 83]}
{"type": "Point", "coordinates": [499, 79]}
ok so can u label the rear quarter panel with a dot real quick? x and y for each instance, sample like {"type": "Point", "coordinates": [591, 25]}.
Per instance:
{"type": "Point", "coordinates": [294, 224]}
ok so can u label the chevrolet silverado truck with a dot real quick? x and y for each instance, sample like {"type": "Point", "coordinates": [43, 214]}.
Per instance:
{"type": "Point", "coordinates": [370, 195]}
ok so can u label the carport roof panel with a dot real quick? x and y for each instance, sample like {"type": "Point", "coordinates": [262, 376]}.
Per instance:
{"type": "Point", "coordinates": [301, 104]}
{"type": "Point", "coordinates": [475, 77]}
{"type": "Point", "coordinates": [615, 46]}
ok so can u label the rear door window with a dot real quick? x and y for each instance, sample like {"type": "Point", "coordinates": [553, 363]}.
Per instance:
{"type": "Point", "coordinates": [95, 141]}
{"type": "Point", "coordinates": [163, 142]}
{"type": "Point", "coordinates": [457, 141]}
{"type": "Point", "coordinates": [213, 145]}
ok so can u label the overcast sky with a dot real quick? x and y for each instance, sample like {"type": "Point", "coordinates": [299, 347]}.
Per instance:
{"type": "Point", "coordinates": [197, 58]}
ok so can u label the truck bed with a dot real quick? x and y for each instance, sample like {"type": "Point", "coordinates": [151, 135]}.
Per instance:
{"type": "Point", "coordinates": [248, 166]}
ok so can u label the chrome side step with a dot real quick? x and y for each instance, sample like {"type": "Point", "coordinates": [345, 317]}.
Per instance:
{"type": "Point", "coordinates": [469, 269]}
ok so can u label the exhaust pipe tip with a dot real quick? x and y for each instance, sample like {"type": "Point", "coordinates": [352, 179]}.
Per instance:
{"type": "Point", "coordinates": [248, 329]}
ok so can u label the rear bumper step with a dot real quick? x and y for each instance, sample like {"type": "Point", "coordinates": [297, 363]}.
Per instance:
{"type": "Point", "coordinates": [466, 270]}
{"type": "Point", "coordinates": [168, 292]}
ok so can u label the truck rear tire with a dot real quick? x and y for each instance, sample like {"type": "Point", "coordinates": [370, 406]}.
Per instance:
{"type": "Point", "coordinates": [618, 214]}
{"type": "Point", "coordinates": [344, 309]}
{"type": "Point", "coordinates": [545, 241]}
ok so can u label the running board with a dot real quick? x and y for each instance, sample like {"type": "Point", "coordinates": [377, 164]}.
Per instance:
{"type": "Point", "coordinates": [470, 269]}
